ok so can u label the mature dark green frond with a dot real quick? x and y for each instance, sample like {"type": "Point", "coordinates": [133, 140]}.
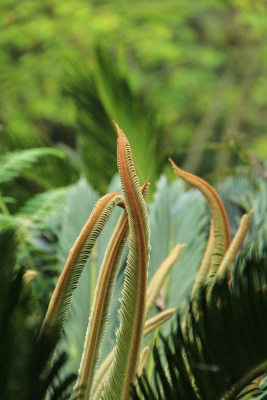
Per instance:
{"type": "Point", "coordinates": [225, 347]}
{"type": "Point", "coordinates": [12, 164]}
{"type": "Point", "coordinates": [25, 371]}
{"type": "Point", "coordinates": [103, 93]}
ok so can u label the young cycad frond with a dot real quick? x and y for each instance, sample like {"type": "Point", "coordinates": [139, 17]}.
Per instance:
{"type": "Point", "coordinates": [203, 271]}
{"type": "Point", "coordinates": [220, 251]}
{"type": "Point", "coordinates": [234, 247]}
{"type": "Point", "coordinates": [220, 220]}
{"type": "Point", "coordinates": [132, 309]}
{"type": "Point", "coordinates": [102, 303]}
{"type": "Point", "coordinates": [101, 307]}
{"type": "Point", "coordinates": [158, 320]}
{"type": "Point", "coordinates": [160, 275]}
{"type": "Point", "coordinates": [150, 325]}
{"type": "Point", "coordinates": [68, 281]}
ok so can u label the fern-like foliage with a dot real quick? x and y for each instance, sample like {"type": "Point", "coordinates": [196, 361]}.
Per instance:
{"type": "Point", "coordinates": [225, 347]}
{"type": "Point", "coordinates": [12, 164]}
{"type": "Point", "coordinates": [24, 358]}
{"type": "Point", "coordinates": [111, 379]}
{"type": "Point", "coordinates": [103, 93]}
{"type": "Point", "coordinates": [42, 207]}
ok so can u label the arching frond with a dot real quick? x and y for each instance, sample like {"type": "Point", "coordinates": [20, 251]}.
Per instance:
{"type": "Point", "coordinates": [150, 325]}
{"type": "Point", "coordinates": [102, 303]}
{"type": "Point", "coordinates": [132, 309]}
{"type": "Point", "coordinates": [68, 281]}
{"type": "Point", "coordinates": [101, 307]}
{"type": "Point", "coordinates": [220, 220]}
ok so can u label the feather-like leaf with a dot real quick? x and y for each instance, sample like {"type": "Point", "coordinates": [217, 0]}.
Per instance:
{"type": "Point", "coordinates": [150, 325]}
{"type": "Point", "coordinates": [132, 308]}
{"type": "Point", "coordinates": [12, 164]}
{"type": "Point", "coordinates": [219, 216]}
{"type": "Point", "coordinates": [102, 303]}
{"type": "Point", "coordinates": [42, 206]}
{"type": "Point", "coordinates": [68, 281]}
{"type": "Point", "coordinates": [101, 307]}
{"type": "Point", "coordinates": [234, 247]}
{"type": "Point", "coordinates": [158, 319]}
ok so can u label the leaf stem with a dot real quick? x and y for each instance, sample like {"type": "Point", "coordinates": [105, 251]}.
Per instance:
{"type": "Point", "coordinates": [245, 380]}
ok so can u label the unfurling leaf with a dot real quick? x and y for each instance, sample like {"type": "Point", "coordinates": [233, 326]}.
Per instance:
{"type": "Point", "coordinates": [234, 247]}
{"type": "Point", "coordinates": [220, 220]}
{"type": "Point", "coordinates": [102, 303]}
{"type": "Point", "coordinates": [79, 254]}
{"type": "Point", "coordinates": [132, 308]}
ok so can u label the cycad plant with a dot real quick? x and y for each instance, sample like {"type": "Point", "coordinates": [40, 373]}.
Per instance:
{"type": "Point", "coordinates": [133, 223]}
{"type": "Point", "coordinates": [112, 378]}
{"type": "Point", "coordinates": [107, 373]}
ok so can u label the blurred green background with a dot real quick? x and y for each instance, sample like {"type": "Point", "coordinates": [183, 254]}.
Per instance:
{"type": "Point", "coordinates": [199, 68]}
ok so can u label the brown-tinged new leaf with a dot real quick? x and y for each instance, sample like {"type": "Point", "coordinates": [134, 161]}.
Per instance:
{"type": "Point", "coordinates": [234, 247]}
{"type": "Point", "coordinates": [220, 220]}
{"type": "Point", "coordinates": [132, 310]}
{"type": "Point", "coordinates": [101, 307]}
{"type": "Point", "coordinates": [102, 302]}
{"type": "Point", "coordinates": [103, 370]}
{"type": "Point", "coordinates": [79, 254]}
